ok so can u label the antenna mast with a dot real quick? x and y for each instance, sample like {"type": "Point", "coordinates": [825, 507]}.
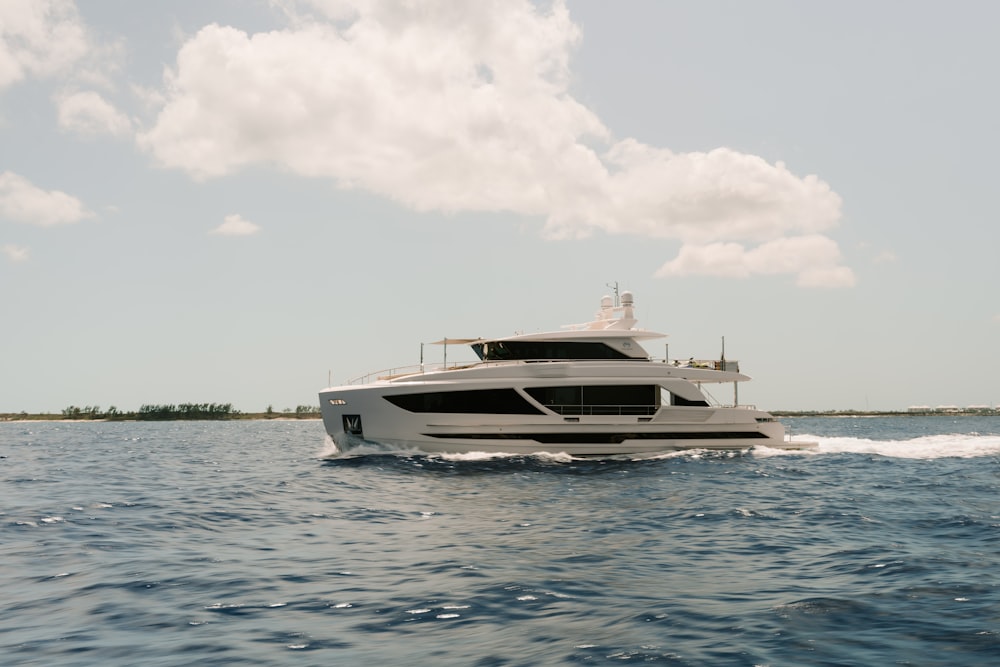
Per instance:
{"type": "Point", "coordinates": [614, 286]}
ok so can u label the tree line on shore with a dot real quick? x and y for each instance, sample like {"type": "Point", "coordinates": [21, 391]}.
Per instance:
{"type": "Point", "coordinates": [170, 411]}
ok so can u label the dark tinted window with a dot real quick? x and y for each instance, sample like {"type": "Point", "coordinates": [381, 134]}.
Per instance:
{"type": "Point", "coordinates": [486, 401]}
{"type": "Point", "coordinates": [507, 350]}
{"type": "Point", "coordinates": [599, 399]}
{"type": "Point", "coordinates": [680, 400]}
{"type": "Point", "coordinates": [641, 394]}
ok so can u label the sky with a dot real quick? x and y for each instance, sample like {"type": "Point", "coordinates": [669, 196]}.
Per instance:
{"type": "Point", "coordinates": [241, 201]}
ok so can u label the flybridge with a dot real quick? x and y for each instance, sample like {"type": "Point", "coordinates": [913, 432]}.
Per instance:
{"type": "Point", "coordinates": [611, 336]}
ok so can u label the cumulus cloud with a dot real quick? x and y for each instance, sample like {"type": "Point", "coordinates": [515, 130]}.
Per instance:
{"type": "Point", "coordinates": [697, 197]}
{"type": "Point", "coordinates": [14, 253]}
{"type": "Point", "coordinates": [235, 225]}
{"type": "Point", "coordinates": [39, 38]}
{"type": "Point", "coordinates": [814, 259]}
{"type": "Point", "coordinates": [88, 113]}
{"type": "Point", "coordinates": [22, 201]}
{"type": "Point", "coordinates": [450, 105]}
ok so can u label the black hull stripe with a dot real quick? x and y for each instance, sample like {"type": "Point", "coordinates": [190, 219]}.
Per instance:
{"type": "Point", "coordinates": [601, 438]}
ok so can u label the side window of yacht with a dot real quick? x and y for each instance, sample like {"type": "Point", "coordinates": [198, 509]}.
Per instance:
{"type": "Point", "coordinates": [486, 401]}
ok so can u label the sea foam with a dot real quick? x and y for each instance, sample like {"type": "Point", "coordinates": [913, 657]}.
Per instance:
{"type": "Point", "coordinates": [925, 447]}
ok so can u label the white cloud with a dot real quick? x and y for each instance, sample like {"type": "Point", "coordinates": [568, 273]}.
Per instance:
{"type": "Point", "coordinates": [886, 257]}
{"type": "Point", "coordinates": [461, 106]}
{"type": "Point", "coordinates": [235, 225]}
{"type": "Point", "coordinates": [39, 38]}
{"type": "Point", "coordinates": [814, 259]}
{"type": "Point", "coordinates": [22, 201]}
{"type": "Point", "coordinates": [14, 253]}
{"type": "Point", "coordinates": [451, 105]}
{"type": "Point", "coordinates": [88, 113]}
{"type": "Point", "coordinates": [697, 197]}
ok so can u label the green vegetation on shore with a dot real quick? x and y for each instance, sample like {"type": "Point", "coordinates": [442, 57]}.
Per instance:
{"type": "Point", "coordinates": [182, 411]}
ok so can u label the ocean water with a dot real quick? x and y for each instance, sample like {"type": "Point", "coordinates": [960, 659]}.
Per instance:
{"type": "Point", "coordinates": [253, 543]}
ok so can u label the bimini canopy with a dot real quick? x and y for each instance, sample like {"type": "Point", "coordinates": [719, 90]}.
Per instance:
{"type": "Point", "coordinates": [456, 341]}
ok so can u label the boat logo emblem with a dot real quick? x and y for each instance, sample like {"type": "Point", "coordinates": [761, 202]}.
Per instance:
{"type": "Point", "coordinates": [352, 424]}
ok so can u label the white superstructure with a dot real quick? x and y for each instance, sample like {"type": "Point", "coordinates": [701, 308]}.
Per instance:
{"type": "Point", "coordinates": [587, 390]}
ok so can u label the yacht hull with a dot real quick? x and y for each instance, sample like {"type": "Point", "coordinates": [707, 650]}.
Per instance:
{"type": "Point", "coordinates": [358, 415]}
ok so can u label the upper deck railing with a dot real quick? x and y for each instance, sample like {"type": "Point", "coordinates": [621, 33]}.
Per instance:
{"type": "Point", "coordinates": [418, 369]}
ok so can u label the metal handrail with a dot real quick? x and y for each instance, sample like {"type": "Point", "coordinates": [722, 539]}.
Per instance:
{"type": "Point", "coordinates": [574, 410]}
{"type": "Point", "coordinates": [413, 369]}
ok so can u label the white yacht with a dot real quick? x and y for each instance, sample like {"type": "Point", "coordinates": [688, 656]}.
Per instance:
{"type": "Point", "coordinates": [586, 390]}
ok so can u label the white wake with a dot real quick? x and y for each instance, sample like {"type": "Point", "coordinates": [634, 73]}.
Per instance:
{"type": "Point", "coordinates": [965, 446]}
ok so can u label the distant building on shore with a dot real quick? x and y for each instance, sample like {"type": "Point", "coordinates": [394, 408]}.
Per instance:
{"type": "Point", "coordinates": [952, 409]}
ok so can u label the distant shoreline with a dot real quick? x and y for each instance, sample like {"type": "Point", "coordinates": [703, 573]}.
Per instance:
{"type": "Point", "coordinates": [283, 416]}
{"type": "Point", "coordinates": [248, 416]}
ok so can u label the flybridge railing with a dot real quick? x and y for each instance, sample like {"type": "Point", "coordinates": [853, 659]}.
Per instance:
{"type": "Point", "coordinates": [415, 369]}
{"type": "Point", "coordinates": [728, 365]}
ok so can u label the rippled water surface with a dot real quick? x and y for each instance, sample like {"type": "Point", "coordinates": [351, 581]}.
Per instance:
{"type": "Point", "coordinates": [251, 543]}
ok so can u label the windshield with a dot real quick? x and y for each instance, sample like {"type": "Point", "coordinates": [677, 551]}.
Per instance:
{"type": "Point", "coordinates": [507, 350]}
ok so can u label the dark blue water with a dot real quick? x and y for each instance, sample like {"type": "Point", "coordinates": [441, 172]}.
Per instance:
{"type": "Point", "coordinates": [228, 543]}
